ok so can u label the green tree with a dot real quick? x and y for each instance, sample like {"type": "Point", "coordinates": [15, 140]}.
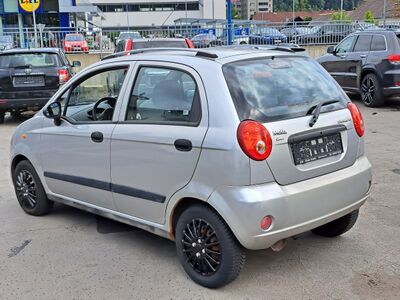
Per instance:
{"type": "Point", "coordinates": [235, 13]}
{"type": "Point", "coordinates": [340, 16]}
{"type": "Point", "coordinates": [369, 17]}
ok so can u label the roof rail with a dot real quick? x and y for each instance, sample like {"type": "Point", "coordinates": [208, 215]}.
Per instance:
{"type": "Point", "coordinates": [283, 47]}
{"type": "Point", "coordinates": [147, 50]}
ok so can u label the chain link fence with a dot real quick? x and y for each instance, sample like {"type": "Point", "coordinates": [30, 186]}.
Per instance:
{"type": "Point", "coordinates": [202, 36]}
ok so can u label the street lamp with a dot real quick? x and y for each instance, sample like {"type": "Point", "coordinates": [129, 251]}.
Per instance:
{"type": "Point", "coordinates": [34, 21]}
{"type": "Point", "coordinates": [341, 11]}
{"type": "Point", "coordinates": [384, 12]}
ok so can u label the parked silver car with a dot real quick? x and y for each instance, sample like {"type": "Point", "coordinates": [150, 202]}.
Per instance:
{"type": "Point", "coordinates": [219, 150]}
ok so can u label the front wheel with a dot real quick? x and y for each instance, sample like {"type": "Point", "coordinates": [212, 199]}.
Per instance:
{"type": "Point", "coordinates": [29, 190]}
{"type": "Point", "coordinates": [337, 227]}
{"type": "Point", "coordinates": [206, 247]}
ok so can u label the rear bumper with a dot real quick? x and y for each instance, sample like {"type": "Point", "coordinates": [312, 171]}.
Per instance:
{"type": "Point", "coordinates": [25, 99]}
{"type": "Point", "coordinates": [391, 92]}
{"type": "Point", "coordinates": [295, 208]}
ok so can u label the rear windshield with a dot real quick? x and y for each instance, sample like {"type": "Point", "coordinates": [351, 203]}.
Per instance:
{"type": "Point", "coordinates": [159, 44]}
{"type": "Point", "coordinates": [129, 35]}
{"type": "Point", "coordinates": [75, 37]}
{"type": "Point", "coordinates": [29, 60]}
{"type": "Point", "coordinates": [272, 89]}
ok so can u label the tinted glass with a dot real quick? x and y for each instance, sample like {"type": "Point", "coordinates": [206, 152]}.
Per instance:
{"type": "Point", "coordinates": [268, 89]}
{"type": "Point", "coordinates": [378, 43]}
{"type": "Point", "coordinates": [363, 43]}
{"type": "Point", "coordinates": [164, 95]}
{"type": "Point", "coordinates": [84, 96]}
{"type": "Point", "coordinates": [74, 37]}
{"type": "Point", "coordinates": [129, 35]}
{"type": "Point", "coordinates": [346, 45]}
{"type": "Point", "coordinates": [159, 44]}
{"type": "Point", "coordinates": [29, 60]}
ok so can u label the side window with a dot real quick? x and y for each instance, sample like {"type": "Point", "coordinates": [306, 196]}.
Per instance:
{"type": "Point", "coordinates": [346, 45]}
{"type": "Point", "coordinates": [363, 43]}
{"type": "Point", "coordinates": [94, 99]}
{"type": "Point", "coordinates": [162, 95]}
{"type": "Point", "coordinates": [378, 43]}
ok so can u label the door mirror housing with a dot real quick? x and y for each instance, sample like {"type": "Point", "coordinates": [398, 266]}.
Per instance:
{"type": "Point", "coordinates": [76, 64]}
{"type": "Point", "coordinates": [54, 112]}
{"type": "Point", "coordinates": [331, 50]}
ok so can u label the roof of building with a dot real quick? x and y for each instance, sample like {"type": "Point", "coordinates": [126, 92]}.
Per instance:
{"type": "Point", "coordinates": [376, 7]}
{"type": "Point", "coordinates": [286, 16]}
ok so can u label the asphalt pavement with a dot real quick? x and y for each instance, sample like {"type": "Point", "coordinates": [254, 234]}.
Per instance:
{"type": "Point", "coordinates": [70, 254]}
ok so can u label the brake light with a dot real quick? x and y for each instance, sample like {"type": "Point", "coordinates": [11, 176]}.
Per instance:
{"type": "Point", "coordinates": [63, 76]}
{"type": "Point", "coordinates": [128, 46]}
{"type": "Point", "coordinates": [357, 119]}
{"type": "Point", "coordinates": [394, 58]}
{"type": "Point", "coordinates": [189, 43]}
{"type": "Point", "coordinates": [254, 139]}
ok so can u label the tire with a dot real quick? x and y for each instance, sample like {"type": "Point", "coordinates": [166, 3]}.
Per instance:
{"type": "Point", "coordinates": [2, 116]}
{"type": "Point", "coordinates": [371, 91]}
{"type": "Point", "coordinates": [29, 190]}
{"type": "Point", "coordinates": [337, 227]}
{"type": "Point", "coordinates": [211, 266]}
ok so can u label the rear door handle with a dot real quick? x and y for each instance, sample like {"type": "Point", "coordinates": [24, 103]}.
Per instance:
{"type": "Point", "coordinates": [97, 137]}
{"type": "Point", "coordinates": [183, 145]}
{"type": "Point", "coordinates": [363, 55]}
{"type": "Point", "coordinates": [342, 56]}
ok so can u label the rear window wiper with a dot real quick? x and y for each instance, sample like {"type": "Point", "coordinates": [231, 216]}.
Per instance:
{"type": "Point", "coordinates": [317, 110]}
{"type": "Point", "coordinates": [23, 67]}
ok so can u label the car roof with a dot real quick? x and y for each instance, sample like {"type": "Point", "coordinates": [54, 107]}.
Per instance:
{"type": "Point", "coordinates": [31, 50]}
{"type": "Point", "coordinates": [159, 39]}
{"type": "Point", "coordinates": [219, 55]}
{"type": "Point", "coordinates": [375, 31]}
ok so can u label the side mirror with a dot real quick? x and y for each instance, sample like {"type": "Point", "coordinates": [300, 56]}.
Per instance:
{"type": "Point", "coordinates": [54, 112]}
{"type": "Point", "coordinates": [76, 64]}
{"type": "Point", "coordinates": [331, 50]}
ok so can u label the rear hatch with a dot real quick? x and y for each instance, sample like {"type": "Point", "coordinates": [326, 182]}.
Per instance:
{"type": "Point", "coordinates": [32, 72]}
{"type": "Point", "coordinates": [303, 109]}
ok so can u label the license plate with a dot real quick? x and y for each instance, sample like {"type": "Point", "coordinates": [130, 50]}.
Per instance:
{"type": "Point", "coordinates": [28, 81]}
{"type": "Point", "coordinates": [316, 148]}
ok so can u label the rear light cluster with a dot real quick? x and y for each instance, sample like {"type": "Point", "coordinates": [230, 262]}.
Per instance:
{"type": "Point", "coordinates": [394, 58]}
{"type": "Point", "coordinates": [189, 43]}
{"type": "Point", "coordinates": [357, 119]}
{"type": "Point", "coordinates": [63, 76]}
{"type": "Point", "coordinates": [254, 139]}
{"type": "Point", "coordinates": [128, 46]}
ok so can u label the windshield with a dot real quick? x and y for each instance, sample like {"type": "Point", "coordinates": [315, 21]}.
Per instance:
{"type": "Point", "coordinates": [5, 39]}
{"type": "Point", "coordinates": [315, 29]}
{"type": "Point", "coordinates": [271, 89]}
{"type": "Point", "coordinates": [75, 37]}
{"type": "Point", "coordinates": [267, 31]}
{"type": "Point", "coordinates": [29, 60]}
{"type": "Point", "coordinates": [159, 44]}
{"type": "Point", "coordinates": [303, 30]}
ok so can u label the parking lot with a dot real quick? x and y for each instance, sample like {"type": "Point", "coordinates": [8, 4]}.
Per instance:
{"type": "Point", "coordinates": [70, 254]}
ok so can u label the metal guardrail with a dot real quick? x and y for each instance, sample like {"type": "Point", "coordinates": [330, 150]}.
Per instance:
{"type": "Point", "coordinates": [302, 33]}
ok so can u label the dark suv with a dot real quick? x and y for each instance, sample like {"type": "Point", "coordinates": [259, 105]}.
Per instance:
{"type": "Point", "coordinates": [29, 78]}
{"type": "Point", "coordinates": [368, 63]}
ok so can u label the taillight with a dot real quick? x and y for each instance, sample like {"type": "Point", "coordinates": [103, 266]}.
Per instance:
{"type": "Point", "coordinates": [128, 45]}
{"type": "Point", "coordinates": [357, 119]}
{"type": "Point", "coordinates": [394, 58]}
{"type": "Point", "coordinates": [189, 43]}
{"type": "Point", "coordinates": [63, 76]}
{"type": "Point", "coordinates": [254, 139]}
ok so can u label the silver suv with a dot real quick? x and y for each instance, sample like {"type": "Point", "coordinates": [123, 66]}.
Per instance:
{"type": "Point", "coordinates": [219, 150]}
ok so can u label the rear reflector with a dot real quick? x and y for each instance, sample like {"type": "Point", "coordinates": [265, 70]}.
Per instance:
{"type": "Point", "coordinates": [254, 139]}
{"type": "Point", "coordinates": [394, 58]}
{"type": "Point", "coordinates": [357, 119]}
{"type": "Point", "coordinates": [63, 76]}
{"type": "Point", "coordinates": [266, 222]}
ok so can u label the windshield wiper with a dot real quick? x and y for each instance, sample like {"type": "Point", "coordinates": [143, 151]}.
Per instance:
{"type": "Point", "coordinates": [317, 110]}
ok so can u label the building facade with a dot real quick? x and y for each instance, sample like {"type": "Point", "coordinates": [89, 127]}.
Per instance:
{"type": "Point", "coordinates": [147, 14]}
{"type": "Point", "coordinates": [248, 8]}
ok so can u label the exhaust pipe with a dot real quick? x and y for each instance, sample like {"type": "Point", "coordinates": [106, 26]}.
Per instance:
{"type": "Point", "coordinates": [279, 245]}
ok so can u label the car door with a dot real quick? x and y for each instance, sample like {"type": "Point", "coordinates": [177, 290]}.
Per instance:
{"type": "Point", "coordinates": [157, 142]}
{"type": "Point", "coordinates": [356, 59]}
{"type": "Point", "coordinates": [336, 64]}
{"type": "Point", "coordinates": [76, 155]}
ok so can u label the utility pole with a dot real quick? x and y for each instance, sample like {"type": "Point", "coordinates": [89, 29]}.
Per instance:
{"type": "Point", "coordinates": [34, 22]}
{"type": "Point", "coordinates": [229, 15]}
{"type": "Point", "coordinates": [293, 11]}
{"type": "Point", "coordinates": [341, 11]}
{"type": "Point", "coordinates": [384, 12]}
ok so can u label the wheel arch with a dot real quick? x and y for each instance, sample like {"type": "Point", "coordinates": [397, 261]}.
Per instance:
{"type": "Point", "coordinates": [16, 160]}
{"type": "Point", "coordinates": [368, 70]}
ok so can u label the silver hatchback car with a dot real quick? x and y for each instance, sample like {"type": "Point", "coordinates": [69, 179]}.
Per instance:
{"type": "Point", "coordinates": [219, 150]}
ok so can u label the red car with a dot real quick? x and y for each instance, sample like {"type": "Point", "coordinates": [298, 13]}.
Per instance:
{"type": "Point", "coordinates": [135, 44]}
{"type": "Point", "coordinates": [75, 42]}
